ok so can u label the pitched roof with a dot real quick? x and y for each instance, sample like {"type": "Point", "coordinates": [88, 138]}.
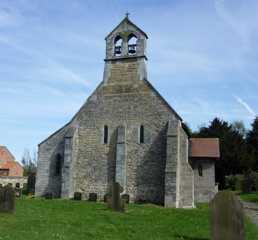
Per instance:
{"type": "Point", "coordinates": [7, 161]}
{"type": "Point", "coordinates": [5, 154]}
{"type": "Point", "coordinates": [163, 99]}
{"type": "Point", "coordinates": [204, 147]}
{"type": "Point", "coordinates": [9, 165]}
{"type": "Point", "coordinates": [126, 19]}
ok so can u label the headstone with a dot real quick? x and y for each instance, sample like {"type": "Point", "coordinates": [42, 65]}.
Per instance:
{"type": "Point", "coordinates": [227, 217]}
{"type": "Point", "coordinates": [7, 199]}
{"type": "Point", "coordinates": [115, 202]}
{"type": "Point", "coordinates": [93, 197]}
{"type": "Point", "coordinates": [107, 196]}
{"type": "Point", "coordinates": [126, 198]}
{"type": "Point", "coordinates": [18, 192]}
{"type": "Point", "coordinates": [49, 195]}
{"type": "Point", "coordinates": [77, 196]}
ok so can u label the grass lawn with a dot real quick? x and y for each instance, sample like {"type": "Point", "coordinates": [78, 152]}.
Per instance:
{"type": "Point", "coordinates": [65, 219]}
{"type": "Point", "coordinates": [250, 197]}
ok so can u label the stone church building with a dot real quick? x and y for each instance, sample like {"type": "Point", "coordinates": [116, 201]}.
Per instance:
{"type": "Point", "coordinates": [126, 132]}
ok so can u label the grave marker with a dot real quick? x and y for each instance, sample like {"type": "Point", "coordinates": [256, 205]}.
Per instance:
{"type": "Point", "coordinates": [227, 217]}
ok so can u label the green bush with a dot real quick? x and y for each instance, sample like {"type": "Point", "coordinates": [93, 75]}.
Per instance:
{"type": "Point", "coordinates": [234, 182]}
{"type": "Point", "coordinates": [250, 182]}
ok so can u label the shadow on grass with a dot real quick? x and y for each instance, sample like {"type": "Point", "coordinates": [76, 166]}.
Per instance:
{"type": "Point", "coordinates": [182, 237]}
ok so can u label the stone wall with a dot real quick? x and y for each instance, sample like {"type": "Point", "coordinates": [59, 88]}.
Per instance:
{"type": "Point", "coordinates": [171, 170]}
{"type": "Point", "coordinates": [124, 100]}
{"type": "Point", "coordinates": [186, 174]}
{"type": "Point", "coordinates": [46, 179]}
{"type": "Point", "coordinates": [179, 176]}
{"type": "Point", "coordinates": [13, 181]}
{"type": "Point", "coordinates": [135, 105]}
{"type": "Point", "coordinates": [205, 187]}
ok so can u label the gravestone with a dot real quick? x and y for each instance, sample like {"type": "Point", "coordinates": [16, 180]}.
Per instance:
{"type": "Point", "coordinates": [107, 196]}
{"type": "Point", "coordinates": [7, 199]}
{"type": "Point", "coordinates": [93, 197]}
{"type": "Point", "coordinates": [77, 196]}
{"type": "Point", "coordinates": [227, 217]}
{"type": "Point", "coordinates": [18, 192]}
{"type": "Point", "coordinates": [126, 198]}
{"type": "Point", "coordinates": [115, 202]}
{"type": "Point", "coordinates": [49, 195]}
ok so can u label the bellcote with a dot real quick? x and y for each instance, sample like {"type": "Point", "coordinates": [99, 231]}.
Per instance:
{"type": "Point", "coordinates": [126, 41]}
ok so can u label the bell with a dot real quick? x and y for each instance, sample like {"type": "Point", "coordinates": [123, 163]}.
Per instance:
{"type": "Point", "coordinates": [118, 51]}
{"type": "Point", "coordinates": [132, 51]}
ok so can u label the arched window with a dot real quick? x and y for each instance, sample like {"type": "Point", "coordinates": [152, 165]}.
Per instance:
{"type": "Point", "coordinates": [118, 46]}
{"type": "Point", "coordinates": [105, 140]}
{"type": "Point", "coordinates": [200, 170]}
{"type": "Point", "coordinates": [58, 166]}
{"type": "Point", "coordinates": [141, 134]}
{"type": "Point", "coordinates": [132, 43]}
{"type": "Point", "coordinates": [17, 185]}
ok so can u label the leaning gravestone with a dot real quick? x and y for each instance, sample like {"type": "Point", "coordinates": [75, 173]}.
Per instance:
{"type": "Point", "coordinates": [7, 199]}
{"type": "Point", "coordinates": [227, 217]}
{"type": "Point", "coordinates": [115, 202]}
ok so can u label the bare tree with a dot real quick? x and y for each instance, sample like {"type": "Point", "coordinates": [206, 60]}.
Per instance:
{"type": "Point", "coordinates": [29, 163]}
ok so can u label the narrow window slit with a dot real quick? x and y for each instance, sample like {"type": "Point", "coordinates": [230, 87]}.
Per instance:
{"type": "Point", "coordinates": [200, 170]}
{"type": "Point", "coordinates": [105, 134]}
{"type": "Point", "coordinates": [141, 134]}
{"type": "Point", "coordinates": [58, 166]}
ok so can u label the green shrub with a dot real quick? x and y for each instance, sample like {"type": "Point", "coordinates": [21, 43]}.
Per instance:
{"type": "Point", "coordinates": [249, 182]}
{"type": "Point", "coordinates": [233, 182]}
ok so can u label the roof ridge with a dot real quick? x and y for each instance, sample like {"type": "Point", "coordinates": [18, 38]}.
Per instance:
{"type": "Point", "coordinates": [130, 22]}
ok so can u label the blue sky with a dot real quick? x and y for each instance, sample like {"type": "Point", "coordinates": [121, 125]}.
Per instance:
{"type": "Point", "coordinates": [203, 57]}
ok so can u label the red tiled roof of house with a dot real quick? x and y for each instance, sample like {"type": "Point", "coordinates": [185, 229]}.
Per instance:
{"type": "Point", "coordinates": [7, 161]}
{"type": "Point", "coordinates": [204, 147]}
{"type": "Point", "coordinates": [5, 154]}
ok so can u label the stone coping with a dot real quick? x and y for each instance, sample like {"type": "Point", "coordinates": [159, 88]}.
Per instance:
{"type": "Point", "coordinates": [12, 177]}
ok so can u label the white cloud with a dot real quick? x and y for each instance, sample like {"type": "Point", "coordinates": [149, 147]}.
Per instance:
{"type": "Point", "coordinates": [52, 68]}
{"type": "Point", "coordinates": [245, 105]}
